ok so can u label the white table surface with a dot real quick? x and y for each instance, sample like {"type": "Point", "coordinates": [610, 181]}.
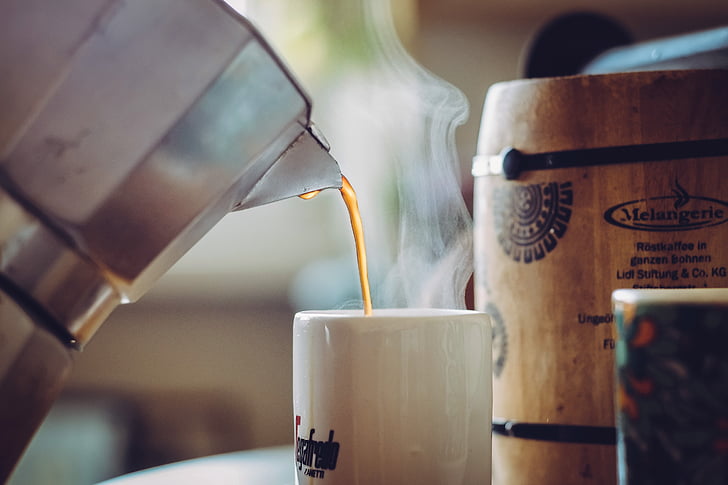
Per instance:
{"type": "Point", "coordinates": [264, 466]}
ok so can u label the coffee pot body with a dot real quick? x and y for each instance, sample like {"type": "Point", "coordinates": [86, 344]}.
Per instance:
{"type": "Point", "coordinates": [129, 129]}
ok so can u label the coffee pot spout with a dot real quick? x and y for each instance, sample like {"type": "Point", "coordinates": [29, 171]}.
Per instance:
{"type": "Point", "coordinates": [305, 166]}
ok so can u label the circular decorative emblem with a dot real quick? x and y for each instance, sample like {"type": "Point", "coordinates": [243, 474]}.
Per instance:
{"type": "Point", "coordinates": [500, 339]}
{"type": "Point", "coordinates": [530, 219]}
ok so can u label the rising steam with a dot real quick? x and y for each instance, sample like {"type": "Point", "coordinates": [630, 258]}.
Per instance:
{"type": "Point", "coordinates": [434, 258]}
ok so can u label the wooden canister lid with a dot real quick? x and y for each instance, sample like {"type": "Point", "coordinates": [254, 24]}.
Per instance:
{"type": "Point", "coordinates": [593, 111]}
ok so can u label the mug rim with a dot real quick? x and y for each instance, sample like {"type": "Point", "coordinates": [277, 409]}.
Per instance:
{"type": "Point", "coordinates": [389, 313]}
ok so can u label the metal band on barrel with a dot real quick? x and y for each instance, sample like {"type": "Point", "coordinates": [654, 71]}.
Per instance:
{"type": "Point", "coordinates": [511, 162]}
{"type": "Point", "coordinates": [561, 433]}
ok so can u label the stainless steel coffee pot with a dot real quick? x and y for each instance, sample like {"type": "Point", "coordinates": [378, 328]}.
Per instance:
{"type": "Point", "coordinates": [127, 130]}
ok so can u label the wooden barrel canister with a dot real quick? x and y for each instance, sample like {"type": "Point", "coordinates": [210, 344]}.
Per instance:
{"type": "Point", "coordinates": [583, 185]}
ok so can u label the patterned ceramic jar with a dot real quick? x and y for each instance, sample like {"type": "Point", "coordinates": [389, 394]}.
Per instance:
{"type": "Point", "coordinates": [672, 386]}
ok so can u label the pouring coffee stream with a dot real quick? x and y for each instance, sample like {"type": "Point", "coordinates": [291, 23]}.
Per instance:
{"type": "Point", "coordinates": [352, 206]}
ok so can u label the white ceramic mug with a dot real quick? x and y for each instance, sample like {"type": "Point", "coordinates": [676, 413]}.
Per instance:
{"type": "Point", "coordinates": [399, 397]}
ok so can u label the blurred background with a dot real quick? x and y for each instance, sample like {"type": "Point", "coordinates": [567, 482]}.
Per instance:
{"type": "Point", "coordinates": [202, 364]}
